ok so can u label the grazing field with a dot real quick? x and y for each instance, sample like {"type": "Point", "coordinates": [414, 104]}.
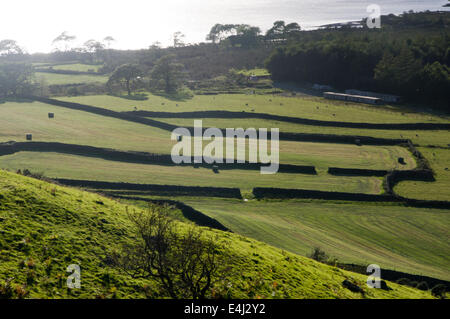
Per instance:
{"type": "Point", "coordinates": [255, 72]}
{"type": "Point", "coordinates": [63, 79]}
{"type": "Point", "coordinates": [396, 237]}
{"type": "Point", "coordinates": [402, 238]}
{"type": "Point", "coordinates": [58, 225]}
{"type": "Point", "coordinates": [287, 106]}
{"type": "Point", "coordinates": [439, 160]}
{"type": "Point", "coordinates": [420, 137]}
{"type": "Point", "coordinates": [78, 67]}
{"type": "Point", "coordinates": [86, 168]}
{"type": "Point", "coordinates": [76, 127]}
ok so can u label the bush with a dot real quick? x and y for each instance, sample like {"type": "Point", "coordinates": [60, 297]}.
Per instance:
{"type": "Point", "coordinates": [423, 286]}
{"type": "Point", "coordinates": [319, 255]}
{"type": "Point", "coordinates": [439, 291]}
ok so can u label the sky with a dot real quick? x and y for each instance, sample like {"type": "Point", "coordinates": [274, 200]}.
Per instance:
{"type": "Point", "coordinates": [139, 23]}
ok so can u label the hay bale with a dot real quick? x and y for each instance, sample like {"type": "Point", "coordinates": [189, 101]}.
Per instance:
{"type": "Point", "coordinates": [29, 137]}
{"type": "Point", "coordinates": [51, 115]}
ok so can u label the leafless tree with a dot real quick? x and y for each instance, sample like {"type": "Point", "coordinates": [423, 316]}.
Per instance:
{"type": "Point", "coordinates": [185, 262]}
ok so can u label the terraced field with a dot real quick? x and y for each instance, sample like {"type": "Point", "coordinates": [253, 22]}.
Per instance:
{"type": "Point", "coordinates": [278, 105]}
{"type": "Point", "coordinates": [63, 79]}
{"type": "Point", "coordinates": [405, 238]}
{"type": "Point", "coordinates": [85, 168]}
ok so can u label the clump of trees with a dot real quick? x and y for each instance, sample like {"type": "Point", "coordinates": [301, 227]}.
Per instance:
{"type": "Point", "coordinates": [127, 76]}
{"type": "Point", "coordinates": [186, 262]}
{"type": "Point", "coordinates": [412, 62]}
{"type": "Point", "coordinates": [15, 79]}
{"type": "Point", "coordinates": [167, 74]}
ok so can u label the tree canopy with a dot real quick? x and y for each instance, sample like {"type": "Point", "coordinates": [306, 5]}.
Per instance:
{"type": "Point", "coordinates": [167, 74]}
{"type": "Point", "coordinates": [127, 76]}
{"type": "Point", "coordinates": [15, 78]}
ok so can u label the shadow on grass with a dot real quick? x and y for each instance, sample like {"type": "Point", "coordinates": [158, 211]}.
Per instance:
{"type": "Point", "coordinates": [134, 97]}
{"type": "Point", "coordinates": [178, 96]}
{"type": "Point", "coordinates": [15, 100]}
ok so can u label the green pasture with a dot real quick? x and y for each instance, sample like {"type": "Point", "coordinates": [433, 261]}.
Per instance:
{"type": "Point", "coordinates": [78, 67]}
{"type": "Point", "coordinates": [413, 240]}
{"type": "Point", "coordinates": [90, 168]}
{"type": "Point", "coordinates": [77, 127]}
{"type": "Point", "coordinates": [63, 79]}
{"type": "Point", "coordinates": [305, 107]}
{"type": "Point", "coordinates": [439, 160]}
{"type": "Point", "coordinates": [46, 227]}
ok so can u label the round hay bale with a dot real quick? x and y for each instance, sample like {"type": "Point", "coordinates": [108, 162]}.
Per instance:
{"type": "Point", "coordinates": [51, 115]}
{"type": "Point", "coordinates": [29, 137]}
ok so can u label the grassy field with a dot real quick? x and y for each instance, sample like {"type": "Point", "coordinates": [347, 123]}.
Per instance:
{"type": "Point", "coordinates": [78, 167]}
{"type": "Point", "coordinates": [405, 239]}
{"type": "Point", "coordinates": [419, 137]}
{"type": "Point", "coordinates": [287, 106]}
{"type": "Point", "coordinates": [78, 67]}
{"type": "Point", "coordinates": [62, 79]}
{"type": "Point", "coordinates": [401, 238]}
{"type": "Point", "coordinates": [76, 127]}
{"type": "Point", "coordinates": [439, 160]}
{"type": "Point", "coordinates": [47, 227]}
{"type": "Point", "coordinates": [255, 72]}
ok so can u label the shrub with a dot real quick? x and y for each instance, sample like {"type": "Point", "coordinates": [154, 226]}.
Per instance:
{"type": "Point", "coordinates": [319, 255]}
{"type": "Point", "coordinates": [423, 286]}
{"type": "Point", "coordinates": [439, 291]}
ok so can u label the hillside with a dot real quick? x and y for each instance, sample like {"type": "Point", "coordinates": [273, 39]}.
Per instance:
{"type": "Point", "coordinates": [45, 227]}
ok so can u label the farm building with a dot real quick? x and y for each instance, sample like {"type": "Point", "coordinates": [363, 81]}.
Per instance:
{"type": "Point", "coordinates": [353, 98]}
{"type": "Point", "coordinates": [385, 97]}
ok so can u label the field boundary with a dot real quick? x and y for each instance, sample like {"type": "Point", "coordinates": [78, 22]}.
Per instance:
{"type": "Point", "coordinates": [288, 136]}
{"type": "Point", "coordinates": [221, 192]}
{"type": "Point", "coordinates": [289, 119]}
{"type": "Point", "coordinates": [12, 147]}
{"type": "Point", "coordinates": [189, 212]}
{"type": "Point", "coordinates": [287, 193]}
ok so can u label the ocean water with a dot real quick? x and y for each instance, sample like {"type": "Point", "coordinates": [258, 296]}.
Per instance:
{"type": "Point", "coordinates": [308, 13]}
{"type": "Point", "coordinates": [138, 23]}
{"type": "Point", "coordinates": [195, 17]}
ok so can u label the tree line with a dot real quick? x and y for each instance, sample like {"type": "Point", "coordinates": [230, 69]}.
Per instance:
{"type": "Point", "coordinates": [409, 57]}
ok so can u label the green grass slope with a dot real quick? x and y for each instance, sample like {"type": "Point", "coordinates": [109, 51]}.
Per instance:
{"type": "Point", "coordinates": [44, 228]}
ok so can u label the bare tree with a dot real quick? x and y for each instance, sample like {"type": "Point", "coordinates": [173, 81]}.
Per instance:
{"type": "Point", "coordinates": [185, 263]}
{"type": "Point", "coordinates": [65, 39]}
{"type": "Point", "coordinates": [108, 40]}
{"type": "Point", "coordinates": [10, 47]}
{"type": "Point", "coordinates": [178, 39]}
